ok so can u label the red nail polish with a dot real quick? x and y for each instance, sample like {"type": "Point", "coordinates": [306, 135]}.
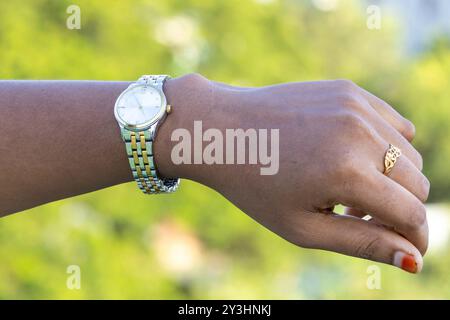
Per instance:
{"type": "Point", "coordinates": [405, 261]}
{"type": "Point", "coordinates": [409, 263]}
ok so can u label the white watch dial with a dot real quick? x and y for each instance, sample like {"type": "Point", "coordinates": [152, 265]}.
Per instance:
{"type": "Point", "coordinates": [139, 106]}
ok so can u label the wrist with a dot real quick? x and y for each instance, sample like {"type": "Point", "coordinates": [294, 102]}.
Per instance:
{"type": "Point", "coordinates": [191, 97]}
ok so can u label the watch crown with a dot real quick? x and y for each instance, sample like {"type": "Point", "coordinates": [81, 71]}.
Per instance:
{"type": "Point", "coordinates": [168, 108]}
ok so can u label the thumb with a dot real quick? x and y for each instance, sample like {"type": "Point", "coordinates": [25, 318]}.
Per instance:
{"type": "Point", "coordinates": [363, 239]}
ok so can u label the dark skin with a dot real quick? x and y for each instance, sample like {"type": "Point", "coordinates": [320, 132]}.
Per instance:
{"type": "Point", "coordinates": [60, 139]}
{"type": "Point", "coordinates": [61, 147]}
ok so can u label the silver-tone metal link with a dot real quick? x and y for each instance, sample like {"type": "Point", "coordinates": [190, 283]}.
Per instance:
{"type": "Point", "coordinates": [144, 173]}
{"type": "Point", "coordinates": [149, 147]}
{"type": "Point", "coordinates": [138, 148]}
{"type": "Point", "coordinates": [128, 149]}
{"type": "Point", "coordinates": [153, 80]}
{"type": "Point", "coordinates": [141, 163]}
{"type": "Point", "coordinates": [132, 165]}
{"type": "Point", "coordinates": [126, 135]}
{"type": "Point", "coordinates": [151, 163]}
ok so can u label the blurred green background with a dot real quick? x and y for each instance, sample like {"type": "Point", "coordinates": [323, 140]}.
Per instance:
{"type": "Point", "coordinates": [194, 244]}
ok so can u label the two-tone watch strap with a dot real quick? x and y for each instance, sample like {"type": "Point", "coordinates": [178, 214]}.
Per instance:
{"type": "Point", "coordinates": [139, 147]}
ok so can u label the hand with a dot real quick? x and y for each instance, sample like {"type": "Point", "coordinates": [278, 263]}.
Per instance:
{"type": "Point", "coordinates": [333, 136]}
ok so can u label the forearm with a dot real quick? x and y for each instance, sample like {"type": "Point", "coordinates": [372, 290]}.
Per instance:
{"type": "Point", "coordinates": [57, 139]}
{"type": "Point", "coordinates": [60, 138]}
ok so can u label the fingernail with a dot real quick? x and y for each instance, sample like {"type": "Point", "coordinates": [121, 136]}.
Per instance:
{"type": "Point", "coordinates": [405, 261]}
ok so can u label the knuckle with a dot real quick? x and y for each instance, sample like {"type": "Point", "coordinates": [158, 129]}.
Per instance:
{"type": "Point", "coordinates": [350, 119]}
{"type": "Point", "coordinates": [418, 218]}
{"type": "Point", "coordinates": [349, 100]}
{"type": "Point", "coordinates": [409, 129]}
{"type": "Point", "coordinates": [425, 189]}
{"type": "Point", "coordinates": [418, 160]}
{"type": "Point", "coordinates": [346, 85]}
{"type": "Point", "coordinates": [367, 246]}
{"type": "Point", "coordinates": [354, 124]}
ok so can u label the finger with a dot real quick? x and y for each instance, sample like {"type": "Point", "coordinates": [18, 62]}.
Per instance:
{"type": "Point", "coordinates": [405, 172]}
{"type": "Point", "coordinates": [408, 166]}
{"type": "Point", "coordinates": [400, 123]}
{"type": "Point", "coordinates": [391, 204]}
{"type": "Point", "coordinates": [407, 175]}
{"type": "Point", "coordinates": [362, 239]}
{"type": "Point", "coordinates": [391, 135]}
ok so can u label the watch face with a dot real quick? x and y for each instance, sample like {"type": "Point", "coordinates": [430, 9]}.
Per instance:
{"type": "Point", "coordinates": [139, 106]}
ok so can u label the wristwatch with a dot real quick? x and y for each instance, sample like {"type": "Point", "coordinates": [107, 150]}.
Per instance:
{"type": "Point", "coordinates": [139, 110]}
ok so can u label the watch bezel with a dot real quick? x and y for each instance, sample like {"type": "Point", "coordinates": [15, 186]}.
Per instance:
{"type": "Point", "coordinates": [145, 125]}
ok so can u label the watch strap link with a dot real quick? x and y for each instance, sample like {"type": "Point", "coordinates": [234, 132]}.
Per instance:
{"type": "Point", "coordinates": [139, 147]}
{"type": "Point", "coordinates": [153, 80]}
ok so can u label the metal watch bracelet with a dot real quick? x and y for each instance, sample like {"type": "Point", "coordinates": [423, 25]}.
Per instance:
{"type": "Point", "coordinates": [139, 148]}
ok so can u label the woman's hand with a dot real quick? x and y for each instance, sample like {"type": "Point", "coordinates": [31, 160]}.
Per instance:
{"type": "Point", "coordinates": [333, 137]}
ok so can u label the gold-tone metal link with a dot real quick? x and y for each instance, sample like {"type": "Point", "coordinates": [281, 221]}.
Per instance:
{"type": "Point", "coordinates": [144, 184]}
{"type": "Point", "coordinates": [154, 186]}
{"type": "Point", "coordinates": [145, 156]}
{"type": "Point", "coordinates": [133, 141]}
{"type": "Point", "coordinates": [142, 143]}
{"type": "Point", "coordinates": [135, 158]}
{"type": "Point", "coordinates": [148, 170]}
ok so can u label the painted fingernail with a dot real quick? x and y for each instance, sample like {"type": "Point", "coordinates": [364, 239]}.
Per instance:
{"type": "Point", "coordinates": [405, 261]}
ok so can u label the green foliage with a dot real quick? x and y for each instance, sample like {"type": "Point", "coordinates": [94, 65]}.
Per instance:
{"type": "Point", "coordinates": [195, 244]}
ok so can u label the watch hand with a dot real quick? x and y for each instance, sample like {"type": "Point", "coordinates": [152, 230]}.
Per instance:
{"type": "Point", "coordinates": [137, 101]}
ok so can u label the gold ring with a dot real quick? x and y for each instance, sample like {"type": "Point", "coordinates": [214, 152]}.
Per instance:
{"type": "Point", "coordinates": [392, 154]}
